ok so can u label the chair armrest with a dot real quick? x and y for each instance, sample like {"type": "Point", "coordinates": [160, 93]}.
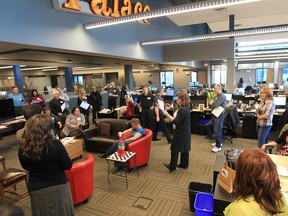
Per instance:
{"type": "Point", "coordinates": [88, 133]}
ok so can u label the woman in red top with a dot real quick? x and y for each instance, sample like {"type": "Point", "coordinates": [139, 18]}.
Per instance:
{"type": "Point", "coordinates": [130, 107]}
{"type": "Point", "coordinates": [36, 98]}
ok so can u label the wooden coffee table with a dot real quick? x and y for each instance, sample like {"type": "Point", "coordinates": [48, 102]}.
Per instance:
{"type": "Point", "coordinates": [74, 148]}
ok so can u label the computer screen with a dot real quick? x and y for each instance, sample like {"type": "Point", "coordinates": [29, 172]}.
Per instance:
{"type": "Point", "coordinates": [3, 93]}
{"type": "Point", "coordinates": [6, 109]}
{"type": "Point", "coordinates": [281, 87]}
{"type": "Point", "coordinates": [228, 96]}
{"type": "Point", "coordinates": [174, 98]}
{"type": "Point", "coordinates": [270, 85]}
{"type": "Point", "coordinates": [196, 83]}
{"type": "Point", "coordinates": [279, 101]}
{"type": "Point", "coordinates": [153, 88]}
{"type": "Point", "coordinates": [170, 92]}
{"type": "Point", "coordinates": [191, 84]}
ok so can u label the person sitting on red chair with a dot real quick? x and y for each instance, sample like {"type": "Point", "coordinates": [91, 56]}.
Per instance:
{"type": "Point", "coordinates": [137, 133]}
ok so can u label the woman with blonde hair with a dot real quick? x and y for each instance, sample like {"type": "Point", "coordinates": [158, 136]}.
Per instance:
{"type": "Point", "coordinates": [256, 188]}
{"type": "Point", "coordinates": [45, 159]}
{"type": "Point", "coordinates": [264, 112]}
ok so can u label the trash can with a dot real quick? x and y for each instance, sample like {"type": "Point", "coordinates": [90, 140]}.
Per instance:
{"type": "Point", "coordinates": [203, 204]}
{"type": "Point", "coordinates": [196, 187]}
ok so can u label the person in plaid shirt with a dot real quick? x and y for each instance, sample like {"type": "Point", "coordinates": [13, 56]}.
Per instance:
{"type": "Point", "coordinates": [265, 113]}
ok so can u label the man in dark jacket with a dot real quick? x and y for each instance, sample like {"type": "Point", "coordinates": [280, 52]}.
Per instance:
{"type": "Point", "coordinates": [96, 102]}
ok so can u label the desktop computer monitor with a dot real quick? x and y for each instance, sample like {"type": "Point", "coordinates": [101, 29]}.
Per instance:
{"type": "Point", "coordinates": [174, 98]}
{"type": "Point", "coordinates": [281, 87]}
{"type": "Point", "coordinates": [191, 84]}
{"type": "Point", "coordinates": [170, 92]}
{"type": "Point", "coordinates": [153, 88]}
{"type": "Point", "coordinates": [228, 96]}
{"type": "Point", "coordinates": [279, 101]}
{"type": "Point", "coordinates": [270, 85]}
{"type": "Point", "coordinates": [196, 83]}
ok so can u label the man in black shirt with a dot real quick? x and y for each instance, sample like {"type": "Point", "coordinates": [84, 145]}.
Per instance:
{"type": "Point", "coordinates": [96, 102]}
{"type": "Point", "coordinates": [113, 94]}
{"type": "Point", "coordinates": [55, 106]}
{"type": "Point", "coordinates": [145, 105]}
{"type": "Point", "coordinates": [159, 118]}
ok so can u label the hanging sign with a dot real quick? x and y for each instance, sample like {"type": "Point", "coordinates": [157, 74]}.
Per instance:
{"type": "Point", "coordinates": [119, 8]}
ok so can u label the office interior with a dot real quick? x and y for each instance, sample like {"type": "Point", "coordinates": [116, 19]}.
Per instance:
{"type": "Point", "coordinates": [50, 40]}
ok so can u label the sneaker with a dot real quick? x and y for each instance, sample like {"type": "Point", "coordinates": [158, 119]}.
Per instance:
{"type": "Point", "coordinates": [115, 170]}
{"type": "Point", "coordinates": [216, 149]}
{"type": "Point", "coordinates": [214, 144]}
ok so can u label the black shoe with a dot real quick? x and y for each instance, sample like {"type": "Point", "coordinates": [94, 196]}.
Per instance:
{"type": "Point", "coordinates": [115, 170]}
{"type": "Point", "coordinates": [170, 141]}
{"type": "Point", "coordinates": [169, 167]}
{"type": "Point", "coordinates": [101, 155]}
{"type": "Point", "coordinates": [156, 139]}
{"type": "Point", "coordinates": [182, 167]}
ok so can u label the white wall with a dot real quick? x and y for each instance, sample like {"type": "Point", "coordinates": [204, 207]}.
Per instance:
{"type": "Point", "coordinates": [246, 76]}
{"type": "Point", "coordinates": [38, 82]}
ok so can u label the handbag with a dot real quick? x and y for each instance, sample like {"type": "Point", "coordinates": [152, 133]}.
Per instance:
{"type": "Point", "coordinates": [226, 176]}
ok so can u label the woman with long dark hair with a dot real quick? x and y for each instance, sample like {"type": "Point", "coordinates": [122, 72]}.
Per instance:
{"type": "Point", "coordinates": [181, 142]}
{"type": "Point", "coordinates": [45, 159]}
{"type": "Point", "coordinates": [256, 188]}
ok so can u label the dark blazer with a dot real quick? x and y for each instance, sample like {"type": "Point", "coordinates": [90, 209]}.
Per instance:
{"type": "Point", "coordinates": [182, 135]}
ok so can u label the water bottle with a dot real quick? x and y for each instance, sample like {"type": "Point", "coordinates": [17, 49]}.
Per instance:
{"type": "Point", "coordinates": [121, 148]}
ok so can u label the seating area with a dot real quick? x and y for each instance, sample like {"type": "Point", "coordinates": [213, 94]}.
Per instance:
{"type": "Point", "coordinates": [100, 138]}
{"type": "Point", "coordinates": [167, 193]}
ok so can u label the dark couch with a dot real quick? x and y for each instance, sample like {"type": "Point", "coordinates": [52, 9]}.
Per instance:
{"type": "Point", "coordinates": [96, 142]}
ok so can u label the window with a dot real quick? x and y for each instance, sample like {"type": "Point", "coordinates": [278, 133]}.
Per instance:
{"type": "Point", "coordinates": [78, 80]}
{"type": "Point", "coordinates": [219, 74]}
{"type": "Point", "coordinates": [285, 75]}
{"type": "Point", "coordinates": [261, 75]}
{"type": "Point", "coordinates": [194, 76]}
{"type": "Point", "coordinates": [166, 79]}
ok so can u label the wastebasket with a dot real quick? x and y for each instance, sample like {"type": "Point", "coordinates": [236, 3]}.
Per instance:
{"type": "Point", "coordinates": [203, 204]}
{"type": "Point", "coordinates": [196, 187]}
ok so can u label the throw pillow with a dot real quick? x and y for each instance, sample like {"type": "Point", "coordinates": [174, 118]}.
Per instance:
{"type": "Point", "coordinates": [105, 129]}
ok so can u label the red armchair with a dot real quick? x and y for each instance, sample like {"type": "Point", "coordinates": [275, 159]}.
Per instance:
{"type": "Point", "coordinates": [81, 179]}
{"type": "Point", "coordinates": [141, 147]}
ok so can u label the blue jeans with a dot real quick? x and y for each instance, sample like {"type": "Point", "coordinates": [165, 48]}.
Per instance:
{"type": "Point", "coordinates": [209, 128]}
{"type": "Point", "coordinates": [218, 129]}
{"type": "Point", "coordinates": [263, 133]}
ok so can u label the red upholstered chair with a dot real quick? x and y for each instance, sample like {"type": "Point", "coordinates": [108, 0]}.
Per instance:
{"type": "Point", "coordinates": [141, 147]}
{"type": "Point", "coordinates": [81, 179]}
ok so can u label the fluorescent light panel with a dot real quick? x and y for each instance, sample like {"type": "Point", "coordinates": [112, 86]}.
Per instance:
{"type": "Point", "coordinates": [218, 35]}
{"type": "Point", "coordinates": [167, 12]}
{"type": "Point", "coordinates": [10, 66]}
{"type": "Point", "coordinates": [39, 68]}
{"type": "Point", "coordinates": [261, 52]}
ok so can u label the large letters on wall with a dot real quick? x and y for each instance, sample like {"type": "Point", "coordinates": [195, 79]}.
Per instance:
{"type": "Point", "coordinates": [101, 7]}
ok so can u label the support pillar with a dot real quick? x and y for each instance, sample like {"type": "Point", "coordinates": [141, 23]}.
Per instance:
{"type": "Point", "coordinates": [276, 73]}
{"type": "Point", "coordinates": [129, 80]}
{"type": "Point", "coordinates": [230, 74]}
{"type": "Point", "coordinates": [69, 79]}
{"type": "Point", "coordinates": [18, 77]}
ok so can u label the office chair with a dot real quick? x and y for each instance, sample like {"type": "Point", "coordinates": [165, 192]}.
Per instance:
{"type": "Point", "coordinates": [9, 178]}
{"type": "Point", "coordinates": [230, 123]}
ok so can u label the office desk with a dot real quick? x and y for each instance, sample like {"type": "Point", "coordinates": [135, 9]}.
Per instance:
{"type": "Point", "coordinates": [221, 199]}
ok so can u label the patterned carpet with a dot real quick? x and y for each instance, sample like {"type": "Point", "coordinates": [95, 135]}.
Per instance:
{"type": "Point", "coordinates": [154, 192]}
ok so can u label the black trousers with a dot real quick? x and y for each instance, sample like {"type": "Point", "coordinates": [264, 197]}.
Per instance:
{"type": "Point", "coordinates": [162, 125]}
{"type": "Point", "coordinates": [95, 113]}
{"type": "Point", "coordinates": [112, 103]}
{"type": "Point", "coordinates": [148, 118]}
{"type": "Point", "coordinates": [184, 159]}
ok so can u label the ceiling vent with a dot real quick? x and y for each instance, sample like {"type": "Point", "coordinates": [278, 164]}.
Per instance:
{"type": "Point", "coordinates": [220, 10]}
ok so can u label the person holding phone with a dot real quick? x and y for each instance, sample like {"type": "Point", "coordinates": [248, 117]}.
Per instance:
{"type": "Point", "coordinates": [113, 94]}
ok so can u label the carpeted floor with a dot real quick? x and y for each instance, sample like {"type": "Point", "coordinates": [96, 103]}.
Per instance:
{"type": "Point", "coordinates": [154, 192]}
